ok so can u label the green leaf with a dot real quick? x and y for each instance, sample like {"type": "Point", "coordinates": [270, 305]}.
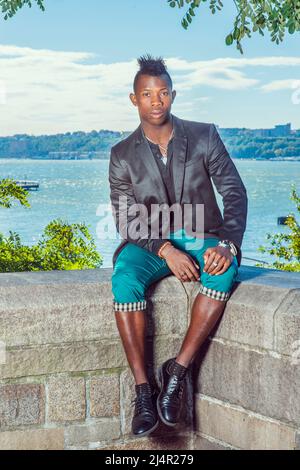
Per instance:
{"type": "Point", "coordinates": [184, 23]}
{"type": "Point", "coordinates": [229, 39]}
{"type": "Point", "coordinates": [239, 47]}
{"type": "Point", "coordinates": [236, 33]}
{"type": "Point", "coordinates": [292, 28]}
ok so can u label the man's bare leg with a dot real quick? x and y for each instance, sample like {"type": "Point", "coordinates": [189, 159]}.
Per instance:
{"type": "Point", "coordinates": [132, 326]}
{"type": "Point", "coordinates": [205, 314]}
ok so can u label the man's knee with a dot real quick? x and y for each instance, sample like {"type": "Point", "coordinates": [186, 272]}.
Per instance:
{"type": "Point", "coordinates": [128, 290]}
{"type": "Point", "coordinates": [219, 287]}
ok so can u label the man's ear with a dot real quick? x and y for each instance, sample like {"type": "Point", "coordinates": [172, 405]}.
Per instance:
{"type": "Point", "coordinates": [173, 95]}
{"type": "Point", "coordinates": [133, 99]}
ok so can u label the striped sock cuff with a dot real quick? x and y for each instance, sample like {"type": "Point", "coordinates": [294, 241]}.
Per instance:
{"type": "Point", "coordinates": [130, 306]}
{"type": "Point", "coordinates": [214, 294]}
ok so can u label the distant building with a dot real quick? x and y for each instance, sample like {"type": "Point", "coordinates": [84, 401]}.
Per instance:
{"type": "Point", "coordinates": [280, 130]}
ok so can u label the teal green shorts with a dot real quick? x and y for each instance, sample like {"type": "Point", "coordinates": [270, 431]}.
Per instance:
{"type": "Point", "coordinates": [137, 268]}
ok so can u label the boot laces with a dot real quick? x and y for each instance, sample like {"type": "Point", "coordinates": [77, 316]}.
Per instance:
{"type": "Point", "coordinates": [143, 403]}
{"type": "Point", "coordinates": [174, 388]}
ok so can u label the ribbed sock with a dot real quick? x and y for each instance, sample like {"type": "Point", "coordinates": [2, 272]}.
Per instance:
{"type": "Point", "coordinates": [177, 369]}
{"type": "Point", "coordinates": [143, 388]}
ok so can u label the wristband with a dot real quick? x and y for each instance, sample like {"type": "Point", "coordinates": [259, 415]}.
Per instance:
{"type": "Point", "coordinates": [230, 245]}
{"type": "Point", "coordinates": [161, 248]}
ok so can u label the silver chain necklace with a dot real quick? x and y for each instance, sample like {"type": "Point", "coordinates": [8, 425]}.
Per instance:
{"type": "Point", "coordinates": [165, 149]}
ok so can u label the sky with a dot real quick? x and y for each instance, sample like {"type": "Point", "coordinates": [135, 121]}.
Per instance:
{"type": "Point", "coordinates": [72, 67]}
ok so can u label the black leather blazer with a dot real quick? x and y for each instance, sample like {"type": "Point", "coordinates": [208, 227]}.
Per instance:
{"type": "Point", "coordinates": [199, 157]}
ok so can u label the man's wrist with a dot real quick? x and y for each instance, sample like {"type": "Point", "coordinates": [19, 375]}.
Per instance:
{"type": "Point", "coordinates": [161, 248]}
{"type": "Point", "coordinates": [229, 244]}
{"type": "Point", "coordinates": [162, 252]}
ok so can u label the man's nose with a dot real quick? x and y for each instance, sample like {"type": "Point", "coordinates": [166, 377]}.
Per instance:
{"type": "Point", "coordinates": [156, 100]}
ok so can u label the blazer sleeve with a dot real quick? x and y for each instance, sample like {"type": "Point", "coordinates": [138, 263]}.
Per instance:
{"type": "Point", "coordinates": [229, 184]}
{"type": "Point", "coordinates": [131, 219]}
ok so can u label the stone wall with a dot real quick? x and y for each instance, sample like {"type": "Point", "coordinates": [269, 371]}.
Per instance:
{"type": "Point", "coordinates": [65, 384]}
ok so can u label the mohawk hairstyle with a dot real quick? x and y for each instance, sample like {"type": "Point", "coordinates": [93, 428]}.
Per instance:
{"type": "Point", "coordinates": [150, 66]}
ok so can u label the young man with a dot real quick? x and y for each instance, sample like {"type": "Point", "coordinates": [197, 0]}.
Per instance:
{"type": "Point", "coordinates": [170, 161]}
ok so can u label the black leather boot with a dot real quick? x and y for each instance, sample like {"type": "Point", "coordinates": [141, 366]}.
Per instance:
{"type": "Point", "coordinates": [145, 419]}
{"type": "Point", "coordinates": [171, 376]}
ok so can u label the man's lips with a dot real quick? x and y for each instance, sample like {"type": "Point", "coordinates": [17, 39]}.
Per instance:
{"type": "Point", "coordinates": [157, 113]}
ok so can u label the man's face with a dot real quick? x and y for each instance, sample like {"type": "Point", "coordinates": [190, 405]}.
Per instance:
{"type": "Point", "coordinates": [153, 98]}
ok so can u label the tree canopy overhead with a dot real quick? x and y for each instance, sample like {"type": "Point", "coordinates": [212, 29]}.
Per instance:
{"type": "Point", "coordinates": [252, 16]}
{"type": "Point", "coordinates": [10, 7]}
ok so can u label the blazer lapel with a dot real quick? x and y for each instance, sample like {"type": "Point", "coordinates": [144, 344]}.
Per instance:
{"type": "Point", "coordinates": [179, 156]}
{"type": "Point", "coordinates": [143, 152]}
{"type": "Point", "coordinates": [145, 155]}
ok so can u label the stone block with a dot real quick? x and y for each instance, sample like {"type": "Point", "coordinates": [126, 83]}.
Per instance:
{"type": "Point", "coordinates": [167, 311]}
{"type": "Point", "coordinates": [51, 359]}
{"type": "Point", "coordinates": [21, 405]}
{"type": "Point", "coordinates": [165, 347]}
{"type": "Point", "coordinates": [55, 313]}
{"type": "Point", "coordinates": [37, 439]}
{"type": "Point", "coordinates": [240, 428]}
{"type": "Point", "coordinates": [105, 396]}
{"type": "Point", "coordinates": [171, 442]}
{"type": "Point", "coordinates": [249, 316]}
{"type": "Point", "coordinates": [204, 443]}
{"type": "Point", "coordinates": [287, 326]}
{"type": "Point", "coordinates": [92, 434]}
{"type": "Point", "coordinates": [261, 382]}
{"type": "Point", "coordinates": [66, 399]}
{"type": "Point", "coordinates": [297, 440]}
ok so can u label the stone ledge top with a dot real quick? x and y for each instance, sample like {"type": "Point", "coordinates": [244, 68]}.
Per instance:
{"type": "Point", "coordinates": [269, 277]}
{"type": "Point", "coordinates": [76, 276]}
{"type": "Point", "coordinates": [247, 275]}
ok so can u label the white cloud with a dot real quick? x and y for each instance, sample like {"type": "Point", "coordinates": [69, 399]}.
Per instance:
{"type": "Point", "coordinates": [2, 92]}
{"type": "Point", "coordinates": [278, 85]}
{"type": "Point", "coordinates": [49, 91]}
{"type": "Point", "coordinates": [268, 61]}
{"type": "Point", "coordinates": [217, 73]}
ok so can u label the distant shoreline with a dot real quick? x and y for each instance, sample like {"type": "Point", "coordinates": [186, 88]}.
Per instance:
{"type": "Point", "coordinates": [279, 144]}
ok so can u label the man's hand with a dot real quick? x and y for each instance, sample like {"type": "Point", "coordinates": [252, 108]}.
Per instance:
{"type": "Point", "coordinates": [181, 264]}
{"type": "Point", "coordinates": [217, 254]}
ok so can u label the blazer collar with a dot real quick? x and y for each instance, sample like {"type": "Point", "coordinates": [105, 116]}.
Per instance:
{"type": "Point", "coordinates": [179, 130]}
{"type": "Point", "coordinates": [143, 151]}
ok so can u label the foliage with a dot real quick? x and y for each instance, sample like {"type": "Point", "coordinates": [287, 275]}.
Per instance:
{"type": "Point", "coordinates": [276, 16]}
{"type": "Point", "coordinates": [10, 7]}
{"type": "Point", "coordinates": [9, 190]}
{"type": "Point", "coordinates": [246, 145]}
{"type": "Point", "coordinates": [285, 246]}
{"type": "Point", "coordinates": [62, 246]}
{"type": "Point", "coordinates": [15, 257]}
{"type": "Point", "coordinates": [68, 246]}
